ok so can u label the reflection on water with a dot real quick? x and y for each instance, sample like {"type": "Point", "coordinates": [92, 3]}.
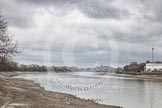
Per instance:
{"type": "Point", "coordinates": [122, 91]}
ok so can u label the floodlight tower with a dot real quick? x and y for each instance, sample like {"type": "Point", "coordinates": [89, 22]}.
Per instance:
{"type": "Point", "coordinates": [152, 54]}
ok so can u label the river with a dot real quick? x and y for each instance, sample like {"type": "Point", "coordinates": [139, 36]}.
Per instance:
{"type": "Point", "coordinates": [127, 92]}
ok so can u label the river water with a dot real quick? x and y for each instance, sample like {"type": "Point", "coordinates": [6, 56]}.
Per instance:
{"type": "Point", "coordinates": [127, 92]}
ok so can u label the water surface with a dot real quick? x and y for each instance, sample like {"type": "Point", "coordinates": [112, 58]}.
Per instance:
{"type": "Point", "coordinates": [123, 91]}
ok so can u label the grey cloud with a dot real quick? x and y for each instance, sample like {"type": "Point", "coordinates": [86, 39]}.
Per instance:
{"type": "Point", "coordinates": [134, 44]}
{"type": "Point", "coordinates": [82, 54]}
{"type": "Point", "coordinates": [20, 13]}
{"type": "Point", "coordinates": [92, 8]}
{"type": "Point", "coordinates": [103, 10]}
{"type": "Point", "coordinates": [17, 15]}
{"type": "Point", "coordinates": [151, 9]}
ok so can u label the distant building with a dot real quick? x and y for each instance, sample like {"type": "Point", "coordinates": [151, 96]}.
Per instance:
{"type": "Point", "coordinates": [119, 69]}
{"type": "Point", "coordinates": [153, 67]}
{"type": "Point", "coordinates": [134, 67]}
{"type": "Point", "coordinates": [101, 68]}
{"type": "Point", "coordinates": [133, 63]}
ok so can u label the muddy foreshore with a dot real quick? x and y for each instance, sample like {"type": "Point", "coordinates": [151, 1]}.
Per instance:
{"type": "Point", "coordinates": [21, 93]}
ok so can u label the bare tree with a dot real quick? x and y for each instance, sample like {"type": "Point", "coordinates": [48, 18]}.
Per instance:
{"type": "Point", "coordinates": [8, 48]}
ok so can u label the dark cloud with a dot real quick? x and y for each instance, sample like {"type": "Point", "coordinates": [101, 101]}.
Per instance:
{"type": "Point", "coordinates": [97, 11]}
{"type": "Point", "coordinates": [92, 8]}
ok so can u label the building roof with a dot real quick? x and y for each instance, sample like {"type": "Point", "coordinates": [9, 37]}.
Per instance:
{"type": "Point", "coordinates": [153, 64]}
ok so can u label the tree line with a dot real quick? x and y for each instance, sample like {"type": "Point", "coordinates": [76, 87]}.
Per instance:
{"type": "Point", "coordinates": [8, 47]}
{"type": "Point", "coordinates": [63, 69]}
{"type": "Point", "coordinates": [14, 66]}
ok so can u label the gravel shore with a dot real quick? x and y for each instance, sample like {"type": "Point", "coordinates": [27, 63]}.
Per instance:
{"type": "Point", "coordinates": [21, 93]}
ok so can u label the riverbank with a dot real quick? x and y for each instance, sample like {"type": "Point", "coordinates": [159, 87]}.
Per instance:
{"type": "Point", "coordinates": [141, 73]}
{"type": "Point", "coordinates": [21, 93]}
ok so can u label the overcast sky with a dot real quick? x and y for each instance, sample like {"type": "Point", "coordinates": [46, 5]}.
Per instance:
{"type": "Point", "coordinates": [85, 32]}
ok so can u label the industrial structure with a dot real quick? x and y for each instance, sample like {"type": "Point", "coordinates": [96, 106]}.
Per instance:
{"type": "Point", "coordinates": [153, 67]}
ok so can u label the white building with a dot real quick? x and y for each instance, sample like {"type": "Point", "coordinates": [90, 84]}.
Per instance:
{"type": "Point", "coordinates": [153, 67]}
